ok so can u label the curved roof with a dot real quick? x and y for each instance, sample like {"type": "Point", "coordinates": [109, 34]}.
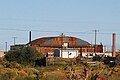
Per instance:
{"type": "Point", "coordinates": [58, 41]}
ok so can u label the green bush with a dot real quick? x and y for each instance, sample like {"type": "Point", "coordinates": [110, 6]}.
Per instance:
{"type": "Point", "coordinates": [25, 56]}
{"type": "Point", "coordinates": [12, 65]}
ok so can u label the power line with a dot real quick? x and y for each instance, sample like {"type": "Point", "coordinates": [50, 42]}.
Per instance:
{"type": "Point", "coordinates": [42, 31]}
{"type": "Point", "coordinates": [55, 31]}
{"type": "Point", "coordinates": [13, 29]}
{"type": "Point", "coordinates": [49, 19]}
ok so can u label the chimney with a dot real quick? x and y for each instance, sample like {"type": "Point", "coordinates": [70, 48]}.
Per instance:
{"type": "Point", "coordinates": [114, 45]}
{"type": "Point", "coordinates": [30, 37]}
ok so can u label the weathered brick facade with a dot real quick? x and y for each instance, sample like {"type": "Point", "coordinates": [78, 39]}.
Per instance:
{"type": "Point", "coordinates": [49, 44]}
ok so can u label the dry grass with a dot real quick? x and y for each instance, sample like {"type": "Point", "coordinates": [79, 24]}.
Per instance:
{"type": "Point", "coordinates": [57, 72]}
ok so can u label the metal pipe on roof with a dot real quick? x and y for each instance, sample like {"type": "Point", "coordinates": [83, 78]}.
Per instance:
{"type": "Point", "coordinates": [30, 36]}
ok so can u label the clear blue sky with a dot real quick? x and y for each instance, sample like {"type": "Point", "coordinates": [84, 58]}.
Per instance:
{"type": "Point", "coordinates": [65, 16]}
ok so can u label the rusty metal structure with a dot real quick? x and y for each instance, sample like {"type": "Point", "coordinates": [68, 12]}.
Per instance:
{"type": "Point", "coordinates": [49, 44]}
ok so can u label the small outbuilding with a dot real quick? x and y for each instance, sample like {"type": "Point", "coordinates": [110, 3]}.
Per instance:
{"type": "Point", "coordinates": [66, 53]}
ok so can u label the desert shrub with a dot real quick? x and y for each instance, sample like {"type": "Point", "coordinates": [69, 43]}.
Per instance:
{"type": "Point", "coordinates": [12, 65]}
{"type": "Point", "coordinates": [117, 61]}
{"type": "Point", "coordinates": [26, 78]}
{"type": "Point", "coordinates": [7, 74]}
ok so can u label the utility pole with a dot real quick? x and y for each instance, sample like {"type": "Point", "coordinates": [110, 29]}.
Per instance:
{"type": "Point", "coordinates": [14, 39]}
{"type": "Point", "coordinates": [95, 32]}
{"type": "Point", "coordinates": [62, 35]}
{"type": "Point", "coordinates": [96, 35]}
{"type": "Point", "coordinates": [5, 46]}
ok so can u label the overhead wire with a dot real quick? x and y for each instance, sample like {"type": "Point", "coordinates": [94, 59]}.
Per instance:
{"type": "Point", "coordinates": [41, 30]}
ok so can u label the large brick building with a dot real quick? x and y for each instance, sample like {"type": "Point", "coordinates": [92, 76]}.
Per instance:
{"type": "Point", "coordinates": [49, 44]}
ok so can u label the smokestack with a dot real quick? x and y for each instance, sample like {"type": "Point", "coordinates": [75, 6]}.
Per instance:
{"type": "Point", "coordinates": [114, 45]}
{"type": "Point", "coordinates": [30, 36]}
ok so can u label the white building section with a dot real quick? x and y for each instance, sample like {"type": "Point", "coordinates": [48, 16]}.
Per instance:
{"type": "Point", "coordinates": [69, 53]}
